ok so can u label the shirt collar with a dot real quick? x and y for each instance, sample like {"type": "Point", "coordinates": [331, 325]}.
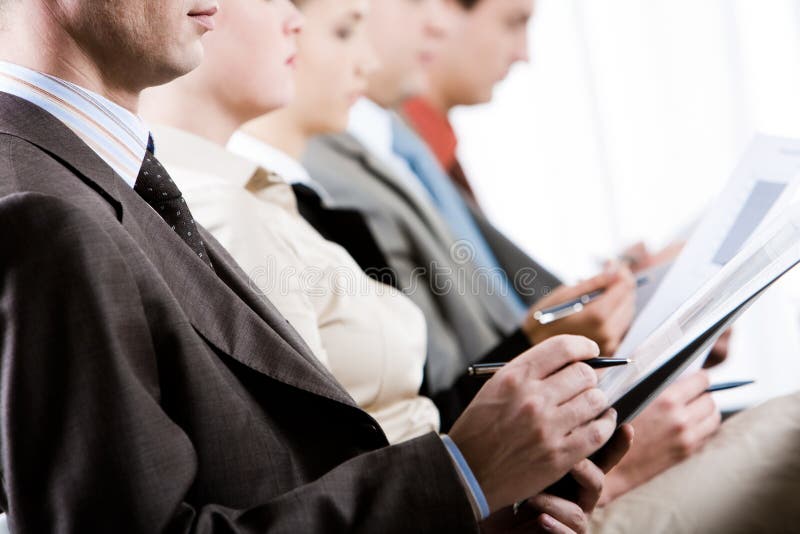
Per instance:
{"type": "Point", "coordinates": [372, 126]}
{"type": "Point", "coordinates": [179, 148]}
{"type": "Point", "coordinates": [269, 157]}
{"type": "Point", "coordinates": [277, 161]}
{"type": "Point", "coordinates": [118, 136]}
{"type": "Point", "coordinates": [433, 126]}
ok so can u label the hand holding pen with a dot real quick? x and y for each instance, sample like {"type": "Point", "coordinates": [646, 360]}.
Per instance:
{"type": "Point", "coordinates": [607, 304]}
{"type": "Point", "coordinates": [535, 420]}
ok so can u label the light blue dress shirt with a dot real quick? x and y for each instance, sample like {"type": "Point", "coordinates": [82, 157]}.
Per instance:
{"type": "Point", "coordinates": [451, 205]}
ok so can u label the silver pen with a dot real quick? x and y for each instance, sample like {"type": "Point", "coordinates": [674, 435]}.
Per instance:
{"type": "Point", "coordinates": [571, 307]}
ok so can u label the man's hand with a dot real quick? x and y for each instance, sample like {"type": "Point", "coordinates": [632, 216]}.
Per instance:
{"type": "Point", "coordinates": [605, 320]}
{"type": "Point", "coordinates": [534, 420]}
{"type": "Point", "coordinates": [671, 429]}
{"type": "Point", "coordinates": [544, 513]}
{"type": "Point", "coordinates": [638, 258]}
{"type": "Point", "coordinates": [548, 513]}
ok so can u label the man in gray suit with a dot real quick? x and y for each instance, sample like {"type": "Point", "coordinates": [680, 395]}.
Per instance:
{"type": "Point", "coordinates": [472, 313]}
{"type": "Point", "coordinates": [146, 388]}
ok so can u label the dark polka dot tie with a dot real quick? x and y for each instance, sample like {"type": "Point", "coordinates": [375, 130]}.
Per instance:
{"type": "Point", "coordinates": [156, 187]}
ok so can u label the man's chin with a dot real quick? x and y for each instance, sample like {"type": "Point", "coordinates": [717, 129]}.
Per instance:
{"type": "Point", "coordinates": [180, 66]}
{"type": "Point", "coordinates": [191, 59]}
{"type": "Point", "coordinates": [412, 87]}
{"type": "Point", "coordinates": [483, 97]}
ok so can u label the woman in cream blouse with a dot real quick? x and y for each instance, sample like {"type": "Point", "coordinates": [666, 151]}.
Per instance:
{"type": "Point", "coordinates": [370, 336]}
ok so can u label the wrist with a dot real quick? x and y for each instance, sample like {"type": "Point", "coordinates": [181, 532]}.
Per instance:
{"type": "Point", "coordinates": [475, 459]}
{"type": "Point", "coordinates": [475, 493]}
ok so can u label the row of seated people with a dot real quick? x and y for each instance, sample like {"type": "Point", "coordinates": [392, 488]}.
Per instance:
{"type": "Point", "coordinates": [331, 179]}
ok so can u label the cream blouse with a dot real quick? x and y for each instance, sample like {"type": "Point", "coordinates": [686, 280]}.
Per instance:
{"type": "Point", "coordinates": [370, 336]}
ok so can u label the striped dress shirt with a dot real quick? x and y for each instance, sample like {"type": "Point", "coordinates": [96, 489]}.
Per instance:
{"type": "Point", "coordinates": [118, 136]}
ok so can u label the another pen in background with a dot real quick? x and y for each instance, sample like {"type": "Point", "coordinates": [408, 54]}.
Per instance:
{"type": "Point", "coordinates": [571, 307]}
{"type": "Point", "coordinates": [729, 385]}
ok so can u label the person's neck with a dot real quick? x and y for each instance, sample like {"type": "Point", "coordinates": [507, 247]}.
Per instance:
{"type": "Point", "coordinates": [45, 47]}
{"type": "Point", "coordinates": [279, 130]}
{"type": "Point", "coordinates": [383, 97]}
{"type": "Point", "coordinates": [438, 100]}
{"type": "Point", "coordinates": [179, 105]}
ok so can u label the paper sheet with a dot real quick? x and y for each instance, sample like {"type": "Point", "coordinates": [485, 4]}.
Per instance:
{"type": "Point", "coordinates": [768, 255]}
{"type": "Point", "coordinates": [765, 181]}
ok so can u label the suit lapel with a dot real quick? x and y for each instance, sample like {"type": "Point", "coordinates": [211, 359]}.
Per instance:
{"type": "Point", "coordinates": [22, 119]}
{"type": "Point", "coordinates": [251, 330]}
{"type": "Point", "coordinates": [348, 228]}
{"type": "Point", "coordinates": [422, 206]}
{"type": "Point", "coordinates": [495, 306]}
{"type": "Point", "coordinates": [221, 307]}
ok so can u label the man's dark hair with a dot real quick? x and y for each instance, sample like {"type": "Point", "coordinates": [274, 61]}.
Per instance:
{"type": "Point", "coordinates": [466, 4]}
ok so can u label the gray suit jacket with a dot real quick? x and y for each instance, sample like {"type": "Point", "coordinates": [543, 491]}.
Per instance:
{"type": "Point", "coordinates": [465, 319]}
{"type": "Point", "coordinates": [142, 392]}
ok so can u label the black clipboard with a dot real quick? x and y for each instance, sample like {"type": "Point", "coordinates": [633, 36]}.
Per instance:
{"type": "Point", "coordinates": [649, 387]}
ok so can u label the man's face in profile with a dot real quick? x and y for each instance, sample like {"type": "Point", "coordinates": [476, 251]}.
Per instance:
{"type": "Point", "coordinates": [141, 43]}
{"type": "Point", "coordinates": [481, 48]}
{"type": "Point", "coordinates": [406, 35]}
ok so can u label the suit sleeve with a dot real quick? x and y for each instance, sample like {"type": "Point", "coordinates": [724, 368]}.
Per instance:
{"type": "Point", "coordinates": [85, 443]}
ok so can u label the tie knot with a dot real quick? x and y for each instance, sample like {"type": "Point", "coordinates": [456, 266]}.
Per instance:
{"type": "Point", "coordinates": [153, 183]}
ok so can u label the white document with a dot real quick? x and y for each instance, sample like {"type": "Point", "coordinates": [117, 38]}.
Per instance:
{"type": "Point", "coordinates": [765, 181]}
{"type": "Point", "coordinates": [768, 256]}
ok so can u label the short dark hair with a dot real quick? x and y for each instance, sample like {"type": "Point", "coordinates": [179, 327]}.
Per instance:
{"type": "Point", "coordinates": [466, 4]}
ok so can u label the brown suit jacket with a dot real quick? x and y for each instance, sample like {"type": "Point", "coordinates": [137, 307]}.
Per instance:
{"type": "Point", "coordinates": [141, 392]}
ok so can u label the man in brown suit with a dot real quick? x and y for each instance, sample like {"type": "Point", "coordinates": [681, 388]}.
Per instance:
{"type": "Point", "coordinates": [145, 388]}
